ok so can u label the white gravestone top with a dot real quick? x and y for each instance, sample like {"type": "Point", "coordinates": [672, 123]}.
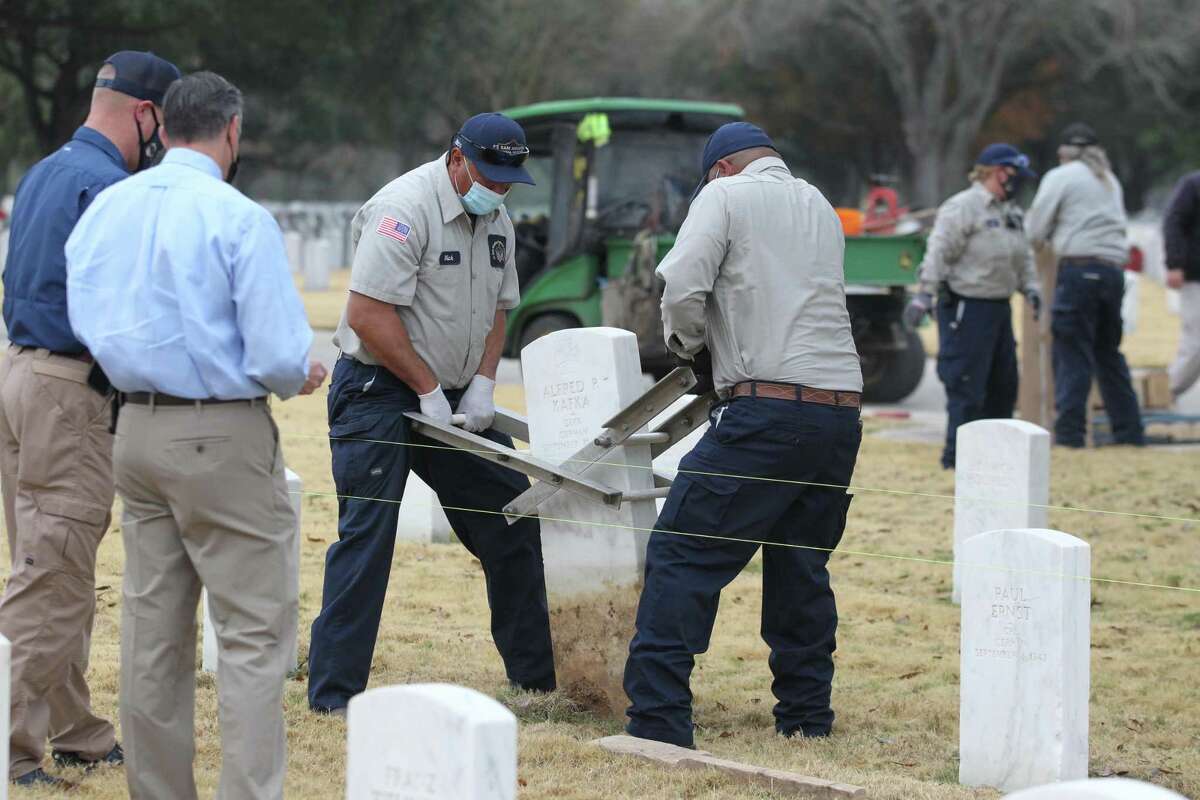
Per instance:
{"type": "Point", "coordinates": [430, 741]}
{"type": "Point", "coordinates": [1097, 789]}
{"type": "Point", "coordinates": [1001, 480]}
{"type": "Point", "coordinates": [1026, 609]}
{"type": "Point", "coordinates": [318, 264]}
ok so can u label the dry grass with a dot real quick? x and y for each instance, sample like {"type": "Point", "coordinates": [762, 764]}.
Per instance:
{"type": "Point", "coordinates": [1152, 344]}
{"type": "Point", "coordinates": [896, 691]}
{"type": "Point", "coordinates": [325, 308]}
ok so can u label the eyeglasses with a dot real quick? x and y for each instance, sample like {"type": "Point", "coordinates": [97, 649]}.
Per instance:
{"type": "Point", "coordinates": [502, 154]}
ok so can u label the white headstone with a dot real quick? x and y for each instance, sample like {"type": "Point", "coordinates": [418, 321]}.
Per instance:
{"type": "Point", "coordinates": [575, 381]}
{"type": "Point", "coordinates": [209, 650]}
{"type": "Point", "coordinates": [667, 462]}
{"type": "Point", "coordinates": [1097, 789]}
{"type": "Point", "coordinates": [5, 697]}
{"type": "Point", "coordinates": [293, 242]}
{"type": "Point", "coordinates": [422, 518]}
{"type": "Point", "coordinates": [318, 264]}
{"type": "Point", "coordinates": [3, 249]}
{"type": "Point", "coordinates": [1001, 480]}
{"type": "Point", "coordinates": [430, 741]}
{"type": "Point", "coordinates": [1026, 610]}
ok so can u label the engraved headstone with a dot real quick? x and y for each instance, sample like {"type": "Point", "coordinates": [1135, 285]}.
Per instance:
{"type": "Point", "coordinates": [1026, 606]}
{"type": "Point", "coordinates": [318, 264]}
{"type": "Point", "coordinates": [1001, 480]}
{"type": "Point", "coordinates": [293, 242]}
{"type": "Point", "coordinates": [422, 518]}
{"type": "Point", "coordinates": [5, 697]}
{"type": "Point", "coordinates": [430, 741]}
{"type": "Point", "coordinates": [1097, 789]}
{"type": "Point", "coordinates": [209, 650]}
{"type": "Point", "coordinates": [575, 381]}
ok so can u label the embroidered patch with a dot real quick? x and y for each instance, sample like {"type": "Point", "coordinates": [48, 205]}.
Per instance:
{"type": "Point", "coordinates": [393, 229]}
{"type": "Point", "coordinates": [450, 258]}
{"type": "Point", "coordinates": [498, 250]}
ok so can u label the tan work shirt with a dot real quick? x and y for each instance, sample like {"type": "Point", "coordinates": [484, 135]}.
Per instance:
{"type": "Point", "coordinates": [416, 247]}
{"type": "Point", "coordinates": [756, 274]}
{"type": "Point", "coordinates": [979, 247]}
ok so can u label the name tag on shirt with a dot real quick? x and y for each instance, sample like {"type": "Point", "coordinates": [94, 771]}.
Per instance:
{"type": "Point", "coordinates": [993, 223]}
{"type": "Point", "coordinates": [498, 250]}
{"type": "Point", "coordinates": [450, 258]}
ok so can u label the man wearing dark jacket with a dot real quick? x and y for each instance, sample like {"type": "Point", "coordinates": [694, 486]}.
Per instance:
{"type": "Point", "coordinates": [1181, 236]}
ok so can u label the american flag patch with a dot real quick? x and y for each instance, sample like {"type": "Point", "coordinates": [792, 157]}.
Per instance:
{"type": "Point", "coordinates": [394, 229]}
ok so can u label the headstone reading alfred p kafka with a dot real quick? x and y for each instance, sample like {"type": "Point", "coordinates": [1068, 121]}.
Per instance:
{"type": "Point", "coordinates": [1001, 480]}
{"type": "Point", "coordinates": [431, 741]}
{"type": "Point", "coordinates": [575, 381]}
{"type": "Point", "coordinates": [1025, 649]}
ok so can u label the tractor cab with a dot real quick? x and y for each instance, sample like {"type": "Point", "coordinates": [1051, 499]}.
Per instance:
{"type": "Point", "coordinates": [607, 171]}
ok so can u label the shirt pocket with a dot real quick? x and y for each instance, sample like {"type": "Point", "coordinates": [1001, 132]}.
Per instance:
{"type": "Point", "coordinates": [441, 289]}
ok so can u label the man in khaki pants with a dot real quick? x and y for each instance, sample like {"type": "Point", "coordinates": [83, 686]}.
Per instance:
{"type": "Point", "coordinates": [55, 444]}
{"type": "Point", "coordinates": [196, 321]}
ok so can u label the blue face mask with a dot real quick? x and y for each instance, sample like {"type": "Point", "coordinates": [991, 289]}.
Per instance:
{"type": "Point", "coordinates": [480, 200]}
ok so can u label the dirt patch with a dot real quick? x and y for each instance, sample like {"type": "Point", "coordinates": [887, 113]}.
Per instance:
{"type": "Point", "coordinates": [591, 635]}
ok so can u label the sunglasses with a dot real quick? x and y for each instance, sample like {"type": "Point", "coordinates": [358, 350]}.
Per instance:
{"type": "Point", "coordinates": [503, 154]}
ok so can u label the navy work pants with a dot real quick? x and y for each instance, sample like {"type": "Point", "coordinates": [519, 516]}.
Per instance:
{"type": "Point", "coordinates": [977, 363]}
{"type": "Point", "coordinates": [373, 449]}
{"type": "Point", "coordinates": [805, 444]}
{"type": "Point", "coordinates": [1087, 330]}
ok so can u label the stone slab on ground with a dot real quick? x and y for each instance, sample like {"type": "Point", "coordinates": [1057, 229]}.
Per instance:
{"type": "Point", "coordinates": [682, 758]}
{"type": "Point", "coordinates": [1097, 789]}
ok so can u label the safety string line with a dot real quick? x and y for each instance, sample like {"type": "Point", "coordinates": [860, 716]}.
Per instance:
{"type": "Point", "coordinates": [829, 550]}
{"type": "Point", "coordinates": [851, 488]}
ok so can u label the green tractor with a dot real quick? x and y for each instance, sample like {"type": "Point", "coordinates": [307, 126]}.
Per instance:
{"type": "Point", "coordinates": [614, 178]}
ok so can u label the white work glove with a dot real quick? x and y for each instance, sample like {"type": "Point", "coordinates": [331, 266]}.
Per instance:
{"type": "Point", "coordinates": [435, 405]}
{"type": "Point", "coordinates": [477, 404]}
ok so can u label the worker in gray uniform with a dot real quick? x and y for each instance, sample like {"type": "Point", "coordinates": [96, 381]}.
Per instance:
{"type": "Point", "coordinates": [978, 256]}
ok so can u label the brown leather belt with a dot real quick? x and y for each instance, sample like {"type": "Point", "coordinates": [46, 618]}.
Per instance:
{"type": "Point", "coordinates": [805, 394]}
{"type": "Point", "coordinates": [1087, 261]}
{"type": "Point", "coordinates": [156, 399]}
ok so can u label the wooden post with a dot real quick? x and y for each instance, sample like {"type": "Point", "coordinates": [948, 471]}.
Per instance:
{"type": "Point", "coordinates": [1036, 399]}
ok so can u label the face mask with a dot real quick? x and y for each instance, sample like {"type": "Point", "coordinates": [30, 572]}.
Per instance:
{"type": "Point", "coordinates": [480, 200]}
{"type": "Point", "coordinates": [233, 167]}
{"type": "Point", "coordinates": [150, 150]}
{"type": "Point", "coordinates": [1012, 185]}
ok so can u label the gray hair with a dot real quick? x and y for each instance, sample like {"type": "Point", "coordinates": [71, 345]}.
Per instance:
{"type": "Point", "coordinates": [199, 107]}
{"type": "Point", "coordinates": [1093, 155]}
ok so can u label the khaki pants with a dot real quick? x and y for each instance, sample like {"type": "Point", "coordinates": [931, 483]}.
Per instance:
{"type": "Point", "coordinates": [56, 460]}
{"type": "Point", "coordinates": [1185, 370]}
{"type": "Point", "coordinates": [206, 503]}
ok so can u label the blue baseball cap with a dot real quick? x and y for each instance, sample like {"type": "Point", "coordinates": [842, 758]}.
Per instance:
{"type": "Point", "coordinates": [496, 146]}
{"type": "Point", "coordinates": [1000, 154]}
{"type": "Point", "coordinates": [140, 74]}
{"type": "Point", "coordinates": [730, 138]}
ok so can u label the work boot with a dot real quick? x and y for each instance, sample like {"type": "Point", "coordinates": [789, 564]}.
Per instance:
{"type": "Point", "coordinates": [112, 758]}
{"type": "Point", "coordinates": [39, 777]}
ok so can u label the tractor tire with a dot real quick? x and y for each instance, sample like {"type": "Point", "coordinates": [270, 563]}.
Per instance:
{"type": "Point", "coordinates": [890, 377]}
{"type": "Point", "coordinates": [543, 324]}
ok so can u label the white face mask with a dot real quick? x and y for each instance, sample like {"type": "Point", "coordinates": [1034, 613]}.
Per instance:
{"type": "Point", "coordinates": [480, 200]}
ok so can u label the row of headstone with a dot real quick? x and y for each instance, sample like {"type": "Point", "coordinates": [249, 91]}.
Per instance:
{"type": "Point", "coordinates": [319, 263]}
{"type": "Point", "coordinates": [210, 651]}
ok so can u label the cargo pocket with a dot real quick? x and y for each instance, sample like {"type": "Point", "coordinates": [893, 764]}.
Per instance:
{"type": "Point", "coordinates": [355, 455]}
{"type": "Point", "coordinates": [698, 504]}
{"type": "Point", "coordinates": [69, 533]}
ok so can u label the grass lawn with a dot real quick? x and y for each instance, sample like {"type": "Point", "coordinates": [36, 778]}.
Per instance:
{"type": "Point", "coordinates": [896, 690]}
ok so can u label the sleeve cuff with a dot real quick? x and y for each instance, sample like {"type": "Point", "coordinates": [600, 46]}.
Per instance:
{"type": "Point", "coordinates": [382, 295]}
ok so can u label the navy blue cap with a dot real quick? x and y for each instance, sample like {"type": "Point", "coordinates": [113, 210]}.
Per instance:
{"type": "Point", "coordinates": [730, 138]}
{"type": "Point", "coordinates": [999, 154]}
{"type": "Point", "coordinates": [140, 74]}
{"type": "Point", "coordinates": [496, 146]}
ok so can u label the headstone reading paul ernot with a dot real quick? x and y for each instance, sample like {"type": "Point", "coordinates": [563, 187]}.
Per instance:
{"type": "Point", "coordinates": [293, 243]}
{"type": "Point", "coordinates": [575, 381]}
{"type": "Point", "coordinates": [209, 656]}
{"type": "Point", "coordinates": [430, 741]}
{"type": "Point", "coordinates": [1001, 480]}
{"type": "Point", "coordinates": [5, 695]}
{"type": "Point", "coordinates": [1026, 609]}
{"type": "Point", "coordinates": [318, 264]}
{"type": "Point", "coordinates": [1097, 789]}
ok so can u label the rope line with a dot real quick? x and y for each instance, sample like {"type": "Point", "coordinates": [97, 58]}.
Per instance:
{"type": "Point", "coordinates": [830, 550]}
{"type": "Point", "coordinates": [853, 489]}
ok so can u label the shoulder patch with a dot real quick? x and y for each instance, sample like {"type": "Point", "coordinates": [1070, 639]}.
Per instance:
{"type": "Point", "coordinates": [498, 250]}
{"type": "Point", "coordinates": [393, 229]}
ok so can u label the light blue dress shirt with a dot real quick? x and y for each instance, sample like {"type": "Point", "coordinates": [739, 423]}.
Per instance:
{"type": "Point", "coordinates": [178, 283]}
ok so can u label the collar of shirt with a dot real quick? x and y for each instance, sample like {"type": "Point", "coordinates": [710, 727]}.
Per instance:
{"type": "Point", "coordinates": [985, 194]}
{"type": "Point", "coordinates": [448, 197]}
{"type": "Point", "coordinates": [102, 143]}
{"type": "Point", "coordinates": [764, 164]}
{"type": "Point", "coordinates": [193, 158]}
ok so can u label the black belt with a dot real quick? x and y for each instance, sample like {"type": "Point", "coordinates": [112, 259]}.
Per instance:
{"type": "Point", "coordinates": [158, 399]}
{"type": "Point", "coordinates": [1087, 261]}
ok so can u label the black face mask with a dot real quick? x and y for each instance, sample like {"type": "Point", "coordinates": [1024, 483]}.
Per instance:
{"type": "Point", "coordinates": [233, 168]}
{"type": "Point", "coordinates": [1012, 185]}
{"type": "Point", "coordinates": [150, 151]}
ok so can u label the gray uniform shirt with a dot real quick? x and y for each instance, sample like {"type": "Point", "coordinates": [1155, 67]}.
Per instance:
{"type": "Point", "coordinates": [416, 248]}
{"type": "Point", "coordinates": [1079, 214]}
{"type": "Point", "coordinates": [756, 274]}
{"type": "Point", "coordinates": [979, 247]}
